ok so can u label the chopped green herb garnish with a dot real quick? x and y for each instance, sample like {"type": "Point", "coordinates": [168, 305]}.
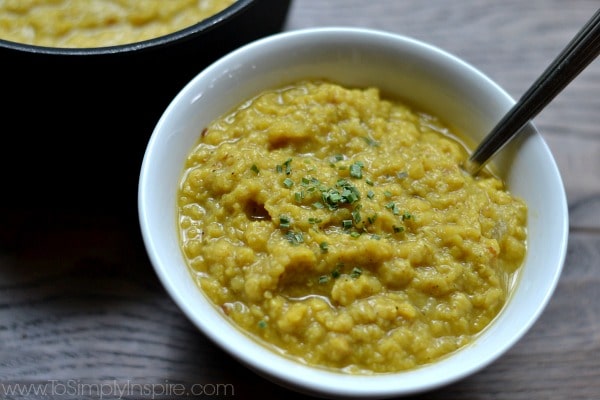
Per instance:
{"type": "Point", "coordinates": [350, 196]}
{"type": "Point", "coordinates": [323, 279]}
{"type": "Point", "coordinates": [311, 185]}
{"type": "Point", "coordinates": [347, 223]}
{"type": "Point", "coordinates": [333, 197]}
{"type": "Point", "coordinates": [371, 141]}
{"type": "Point", "coordinates": [294, 237]}
{"type": "Point", "coordinates": [369, 181]}
{"type": "Point", "coordinates": [336, 272]}
{"type": "Point", "coordinates": [262, 324]}
{"type": "Point", "coordinates": [393, 206]}
{"type": "Point", "coordinates": [335, 158]}
{"type": "Point", "coordinates": [402, 175]}
{"type": "Point", "coordinates": [356, 272]}
{"type": "Point", "coordinates": [372, 218]}
{"type": "Point", "coordinates": [356, 216]}
{"type": "Point", "coordinates": [299, 196]}
{"type": "Point", "coordinates": [356, 169]}
{"type": "Point", "coordinates": [284, 221]}
{"type": "Point", "coordinates": [279, 168]}
{"type": "Point", "coordinates": [288, 166]}
{"type": "Point", "coordinates": [254, 168]}
{"type": "Point", "coordinates": [370, 194]}
{"type": "Point", "coordinates": [406, 216]}
{"type": "Point", "coordinates": [318, 205]}
{"type": "Point", "coordinates": [398, 229]}
{"type": "Point", "coordinates": [288, 183]}
{"type": "Point", "coordinates": [324, 247]}
{"type": "Point", "coordinates": [354, 234]}
{"type": "Point", "coordinates": [342, 182]}
{"type": "Point", "coordinates": [387, 193]}
{"type": "Point", "coordinates": [313, 220]}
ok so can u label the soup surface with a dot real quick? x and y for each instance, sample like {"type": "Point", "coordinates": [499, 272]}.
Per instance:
{"type": "Point", "coordinates": [337, 227]}
{"type": "Point", "coordinates": [99, 23]}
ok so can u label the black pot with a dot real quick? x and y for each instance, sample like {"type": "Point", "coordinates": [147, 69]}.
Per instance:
{"type": "Point", "coordinates": [76, 122]}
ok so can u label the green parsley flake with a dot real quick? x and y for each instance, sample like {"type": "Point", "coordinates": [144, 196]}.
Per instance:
{"type": "Point", "coordinates": [356, 170]}
{"type": "Point", "coordinates": [356, 272]}
{"type": "Point", "coordinates": [294, 238]}
{"type": "Point", "coordinates": [393, 206]}
{"type": "Point", "coordinates": [288, 183]}
{"type": "Point", "coordinates": [336, 158]}
{"type": "Point", "coordinates": [284, 221]}
{"type": "Point", "coordinates": [336, 272]}
{"type": "Point", "coordinates": [288, 166]}
{"type": "Point", "coordinates": [324, 247]}
{"type": "Point", "coordinates": [372, 218]}
{"type": "Point", "coordinates": [356, 216]}
{"type": "Point", "coordinates": [371, 141]}
{"type": "Point", "coordinates": [398, 229]}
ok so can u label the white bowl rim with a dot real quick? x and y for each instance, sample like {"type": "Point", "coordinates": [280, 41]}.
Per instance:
{"type": "Point", "coordinates": [315, 380]}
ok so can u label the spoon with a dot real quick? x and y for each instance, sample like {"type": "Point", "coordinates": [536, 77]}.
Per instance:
{"type": "Point", "coordinates": [580, 52]}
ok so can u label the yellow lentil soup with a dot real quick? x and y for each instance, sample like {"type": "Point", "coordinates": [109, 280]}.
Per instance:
{"type": "Point", "coordinates": [98, 23]}
{"type": "Point", "coordinates": [337, 227]}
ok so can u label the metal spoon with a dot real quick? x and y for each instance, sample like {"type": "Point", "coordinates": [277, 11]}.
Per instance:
{"type": "Point", "coordinates": [580, 52]}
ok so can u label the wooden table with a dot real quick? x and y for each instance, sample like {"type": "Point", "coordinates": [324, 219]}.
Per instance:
{"type": "Point", "coordinates": [81, 306]}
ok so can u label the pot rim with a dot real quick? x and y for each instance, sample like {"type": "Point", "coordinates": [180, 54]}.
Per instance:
{"type": "Point", "coordinates": [180, 35]}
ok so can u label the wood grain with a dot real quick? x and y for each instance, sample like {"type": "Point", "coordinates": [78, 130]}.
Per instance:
{"type": "Point", "coordinates": [79, 301]}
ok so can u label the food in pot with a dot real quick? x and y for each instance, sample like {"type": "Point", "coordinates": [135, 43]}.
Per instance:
{"type": "Point", "coordinates": [99, 23]}
{"type": "Point", "coordinates": [337, 227]}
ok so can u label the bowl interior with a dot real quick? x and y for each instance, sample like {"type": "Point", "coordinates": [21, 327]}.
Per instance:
{"type": "Point", "coordinates": [428, 78]}
{"type": "Point", "coordinates": [176, 36]}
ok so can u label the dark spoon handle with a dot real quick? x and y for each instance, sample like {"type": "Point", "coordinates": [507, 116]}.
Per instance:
{"type": "Point", "coordinates": [580, 52]}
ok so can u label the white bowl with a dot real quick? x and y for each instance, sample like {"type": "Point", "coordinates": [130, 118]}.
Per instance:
{"type": "Point", "coordinates": [434, 81]}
